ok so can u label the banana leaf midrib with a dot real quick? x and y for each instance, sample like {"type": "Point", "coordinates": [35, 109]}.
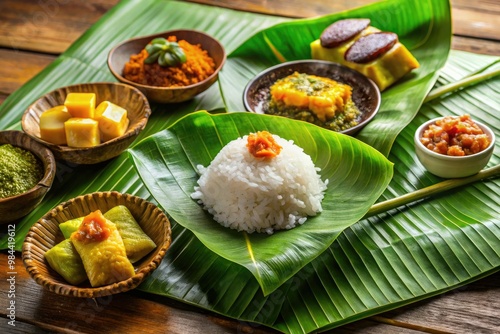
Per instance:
{"type": "Point", "coordinates": [431, 191]}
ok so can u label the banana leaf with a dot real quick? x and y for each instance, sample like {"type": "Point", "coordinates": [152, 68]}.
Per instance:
{"type": "Point", "coordinates": [356, 173]}
{"type": "Point", "coordinates": [380, 263]}
{"type": "Point", "coordinates": [85, 61]}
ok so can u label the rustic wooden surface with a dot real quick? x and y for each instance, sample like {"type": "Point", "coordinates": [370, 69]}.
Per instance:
{"type": "Point", "coordinates": [31, 38]}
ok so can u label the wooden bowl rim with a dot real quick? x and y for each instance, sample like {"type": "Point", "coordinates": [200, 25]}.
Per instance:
{"type": "Point", "coordinates": [162, 34]}
{"type": "Point", "coordinates": [44, 154]}
{"type": "Point", "coordinates": [129, 133]}
{"type": "Point", "coordinates": [68, 289]}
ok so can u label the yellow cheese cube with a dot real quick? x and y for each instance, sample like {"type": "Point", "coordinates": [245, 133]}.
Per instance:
{"type": "Point", "coordinates": [82, 132]}
{"type": "Point", "coordinates": [81, 105]}
{"type": "Point", "coordinates": [52, 125]}
{"type": "Point", "coordinates": [113, 120]}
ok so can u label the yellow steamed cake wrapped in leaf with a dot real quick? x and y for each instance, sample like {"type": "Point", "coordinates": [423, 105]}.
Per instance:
{"type": "Point", "coordinates": [377, 54]}
{"type": "Point", "coordinates": [64, 259]}
{"type": "Point", "coordinates": [102, 251]}
{"type": "Point", "coordinates": [137, 243]}
{"type": "Point", "coordinates": [70, 226]}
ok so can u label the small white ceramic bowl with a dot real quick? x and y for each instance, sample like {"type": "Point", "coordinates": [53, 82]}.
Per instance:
{"type": "Point", "coordinates": [453, 166]}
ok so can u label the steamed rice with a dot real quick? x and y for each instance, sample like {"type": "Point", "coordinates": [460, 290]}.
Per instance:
{"type": "Point", "coordinates": [260, 195]}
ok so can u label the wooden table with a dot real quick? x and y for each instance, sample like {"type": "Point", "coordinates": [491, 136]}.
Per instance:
{"type": "Point", "coordinates": [31, 38]}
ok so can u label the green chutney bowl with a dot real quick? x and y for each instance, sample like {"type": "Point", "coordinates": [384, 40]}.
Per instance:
{"type": "Point", "coordinates": [18, 206]}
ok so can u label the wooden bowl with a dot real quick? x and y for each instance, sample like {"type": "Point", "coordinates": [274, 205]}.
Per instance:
{"type": "Point", "coordinates": [365, 93]}
{"type": "Point", "coordinates": [15, 207]}
{"type": "Point", "coordinates": [45, 234]}
{"type": "Point", "coordinates": [120, 55]}
{"type": "Point", "coordinates": [123, 95]}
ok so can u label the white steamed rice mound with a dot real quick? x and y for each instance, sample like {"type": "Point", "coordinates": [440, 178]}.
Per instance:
{"type": "Point", "coordinates": [260, 195]}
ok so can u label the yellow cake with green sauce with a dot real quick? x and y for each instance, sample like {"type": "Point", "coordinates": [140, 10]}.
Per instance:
{"type": "Point", "coordinates": [314, 99]}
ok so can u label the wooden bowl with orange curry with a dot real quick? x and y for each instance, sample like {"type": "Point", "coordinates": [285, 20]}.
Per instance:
{"type": "Point", "coordinates": [161, 84]}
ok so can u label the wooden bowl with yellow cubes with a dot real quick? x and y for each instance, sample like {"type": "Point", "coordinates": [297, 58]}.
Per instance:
{"type": "Point", "coordinates": [87, 123]}
{"type": "Point", "coordinates": [108, 262]}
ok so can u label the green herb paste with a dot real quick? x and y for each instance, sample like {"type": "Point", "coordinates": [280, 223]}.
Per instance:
{"type": "Point", "coordinates": [20, 170]}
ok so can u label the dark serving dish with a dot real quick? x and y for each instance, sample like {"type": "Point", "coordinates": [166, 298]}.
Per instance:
{"type": "Point", "coordinates": [365, 93]}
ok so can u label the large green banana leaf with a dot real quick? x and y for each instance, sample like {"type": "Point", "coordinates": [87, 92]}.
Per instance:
{"type": "Point", "coordinates": [85, 61]}
{"type": "Point", "coordinates": [357, 175]}
{"type": "Point", "coordinates": [424, 27]}
{"type": "Point", "coordinates": [380, 263]}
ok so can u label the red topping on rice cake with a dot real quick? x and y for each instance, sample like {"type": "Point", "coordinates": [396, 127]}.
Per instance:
{"type": "Point", "coordinates": [263, 145]}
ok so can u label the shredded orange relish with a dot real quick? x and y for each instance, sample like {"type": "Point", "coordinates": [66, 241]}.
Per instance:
{"type": "Point", "coordinates": [455, 136]}
{"type": "Point", "coordinates": [263, 145]}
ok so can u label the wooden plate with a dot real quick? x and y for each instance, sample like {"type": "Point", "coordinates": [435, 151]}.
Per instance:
{"type": "Point", "coordinates": [45, 234]}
